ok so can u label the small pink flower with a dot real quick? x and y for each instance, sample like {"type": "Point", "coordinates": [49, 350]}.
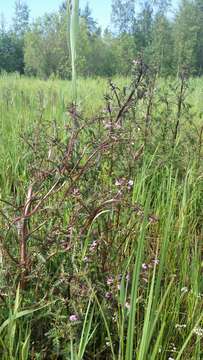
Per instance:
{"type": "Point", "coordinates": [108, 295]}
{"type": "Point", "coordinates": [130, 183]}
{"type": "Point", "coordinates": [117, 183]}
{"type": "Point", "coordinates": [109, 280]}
{"type": "Point", "coordinates": [73, 318]}
{"type": "Point", "coordinates": [144, 266]}
{"type": "Point", "coordinates": [120, 182]}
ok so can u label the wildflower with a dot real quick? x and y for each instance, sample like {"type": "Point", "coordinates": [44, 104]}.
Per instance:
{"type": "Point", "coordinates": [117, 183]}
{"type": "Point", "coordinates": [76, 192]}
{"type": "Point", "coordinates": [128, 277]}
{"type": "Point", "coordinates": [173, 347]}
{"type": "Point", "coordinates": [127, 305]}
{"type": "Point", "coordinates": [136, 62]}
{"type": "Point", "coordinates": [108, 126]}
{"type": "Point", "coordinates": [155, 261]}
{"type": "Point", "coordinates": [153, 219]}
{"type": "Point", "coordinates": [198, 331]}
{"type": "Point", "coordinates": [93, 246]}
{"type": "Point", "coordinates": [120, 182]}
{"type": "Point", "coordinates": [119, 286]}
{"type": "Point", "coordinates": [117, 126]}
{"type": "Point", "coordinates": [109, 280]}
{"type": "Point", "coordinates": [184, 290]}
{"type": "Point", "coordinates": [86, 259]}
{"type": "Point", "coordinates": [108, 295]}
{"type": "Point", "coordinates": [73, 318]}
{"type": "Point", "coordinates": [180, 326]}
{"type": "Point", "coordinates": [130, 182]}
{"type": "Point", "coordinates": [144, 266]}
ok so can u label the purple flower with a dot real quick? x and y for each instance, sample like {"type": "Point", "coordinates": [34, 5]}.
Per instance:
{"type": "Point", "coordinates": [130, 183]}
{"type": "Point", "coordinates": [73, 318]}
{"type": "Point", "coordinates": [144, 266]}
{"type": "Point", "coordinates": [155, 261]}
{"type": "Point", "coordinates": [118, 183]}
{"type": "Point", "coordinates": [108, 295]}
{"type": "Point", "coordinates": [109, 280]}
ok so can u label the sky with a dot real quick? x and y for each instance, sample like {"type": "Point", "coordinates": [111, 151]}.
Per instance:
{"type": "Point", "coordinates": [101, 9]}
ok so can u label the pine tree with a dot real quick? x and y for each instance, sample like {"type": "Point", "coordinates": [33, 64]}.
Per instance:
{"type": "Point", "coordinates": [91, 23]}
{"type": "Point", "coordinates": [199, 43]}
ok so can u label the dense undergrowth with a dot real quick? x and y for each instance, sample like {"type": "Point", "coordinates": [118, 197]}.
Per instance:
{"type": "Point", "coordinates": [101, 220]}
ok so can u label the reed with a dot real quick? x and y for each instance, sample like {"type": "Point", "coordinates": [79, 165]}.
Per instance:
{"type": "Point", "coordinates": [73, 31]}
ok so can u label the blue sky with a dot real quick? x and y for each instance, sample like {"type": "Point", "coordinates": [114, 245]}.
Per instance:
{"type": "Point", "coordinates": [101, 9]}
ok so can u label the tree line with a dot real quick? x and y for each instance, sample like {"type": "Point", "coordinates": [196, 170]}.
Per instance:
{"type": "Point", "coordinates": [166, 38]}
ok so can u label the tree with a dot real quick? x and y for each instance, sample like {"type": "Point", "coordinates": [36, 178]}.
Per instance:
{"type": "Point", "coordinates": [199, 43]}
{"type": "Point", "coordinates": [2, 24]}
{"type": "Point", "coordinates": [91, 23]}
{"type": "Point", "coordinates": [143, 26]}
{"type": "Point", "coordinates": [162, 6]}
{"type": "Point", "coordinates": [21, 18]}
{"type": "Point", "coordinates": [11, 53]}
{"type": "Point", "coordinates": [161, 47]}
{"type": "Point", "coordinates": [122, 16]}
{"type": "Point", "coordinates": [186, 36]}
{"type": "Point", "coordinates": [46, 50]}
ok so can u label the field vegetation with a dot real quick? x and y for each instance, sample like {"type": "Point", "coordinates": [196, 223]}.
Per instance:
{"type": "Point", "coordinates": [101, 224]}
{"type": "Point", "coordinates": [101, 197]}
